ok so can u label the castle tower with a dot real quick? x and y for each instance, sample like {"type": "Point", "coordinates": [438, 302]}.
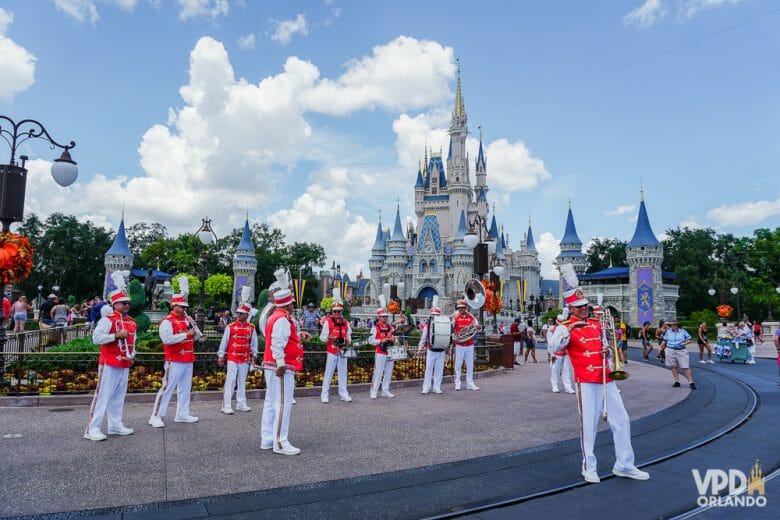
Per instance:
{"type": "Point", "coordinates": [117, 258]}
{"type": "Point", "coordinates": [396, 260]}
{"type": "Point", "coordinates": [571, 253]}
{"type": "Point", "coordinates": [459, 188]}
{"type": "Point", "coordinates": [644, 255]}
{"type": "Point", "coordinates": [481, 168]}
{"type": "Point", "coordinates": [419, 193]}
{"type": "Point", "coordinates": [244, 267]}
{"type": "Point", "coordinates": [377, 260]}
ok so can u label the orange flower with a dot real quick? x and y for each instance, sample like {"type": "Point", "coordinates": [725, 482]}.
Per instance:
{"type": "Point", "coordinates": [15, 258]}
{"type": "Point", "coordinates": [724, 311]}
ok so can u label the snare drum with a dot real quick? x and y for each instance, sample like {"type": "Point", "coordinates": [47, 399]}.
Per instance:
{"type": "Point", "coordinates": [396, 353]}
{"type": "Point", "coordinates": [349, 353]}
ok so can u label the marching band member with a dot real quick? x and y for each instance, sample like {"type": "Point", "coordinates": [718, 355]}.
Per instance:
{"type": "Point", "coordinates": [434, 359]}
{"type": "Point", "coordinates": [560, 366]}
{"type": "Point", "coordinates": [381, 337]}
{"type": "Point", "coordinates": [116, 336]}
{"type": "Point", "coordinates": [240, 343]}
{"type": "Point", "coordinates": [464, 350]}
{"type": "Point", "coordinates": [581, 338]}
{"type": "Point", "coordinates": [283, 356]}
{"type": "Point", "coordinates": [337, 334]}
{"type": "Point", "coordinates": [178, 337]}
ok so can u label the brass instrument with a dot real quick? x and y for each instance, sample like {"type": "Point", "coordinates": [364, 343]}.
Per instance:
{"type": "Point", "coordinates": [609, 344]}
{"type": "Point", "coordinates": [194, 326]}
{"type": "Point", "coordinates": [126, 350]}
{"type": "Point", "coordinates": [474, 296]}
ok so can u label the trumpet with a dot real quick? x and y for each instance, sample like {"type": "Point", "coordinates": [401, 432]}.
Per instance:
{"type": "Point", "coordinates": [609, 343]}
{"type": "Point", "coordinates": [194, 326]}
{"type": "Point", "coordinates": [126, 350]}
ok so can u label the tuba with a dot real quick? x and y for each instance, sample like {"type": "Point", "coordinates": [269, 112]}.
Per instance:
{"type": "Point", "coordinates": [474, 296]}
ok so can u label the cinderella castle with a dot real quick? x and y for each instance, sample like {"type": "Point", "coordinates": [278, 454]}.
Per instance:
{"type": "Point", "coordinates": [431, 258]}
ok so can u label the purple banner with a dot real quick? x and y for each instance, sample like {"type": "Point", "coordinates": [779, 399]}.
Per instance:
{"type": "Point", "coordinates": [644, 295]}
{"type": "Point", "coordinates": [240, 282]}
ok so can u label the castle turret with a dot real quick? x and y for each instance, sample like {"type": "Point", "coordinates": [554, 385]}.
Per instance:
{"type": "Point", "coordinates": [571, 253]}
{"type": "Point", "coordinates": [117, 258]}
{"type": "Point", "coordinates": [419, 193]}
{"type": "Point", "coordinates": [644, 255]}
{"type": "Point", "coordinates": [459, 189]}
{"type": "Point", "coordinates": [244, 267]}
{"type": "Point", "coordinates": [481, 168]}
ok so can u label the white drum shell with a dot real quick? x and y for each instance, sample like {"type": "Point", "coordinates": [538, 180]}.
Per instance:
{"type": "Point", "coordinates": [441, 332]}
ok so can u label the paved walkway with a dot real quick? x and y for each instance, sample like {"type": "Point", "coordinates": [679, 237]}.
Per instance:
{"type": "Point", "coordinates": [52, 468]}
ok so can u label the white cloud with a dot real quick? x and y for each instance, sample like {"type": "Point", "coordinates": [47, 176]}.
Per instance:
{"type": "Point", "coordinates": [645, 15]}
{"type": "Point", "coordinates": [284, 30]}
{"type": "Point", "coordinates": [247, 41]}
{"type": "Point", "coordinates": [744, 213]}
{"type": "Point", "coordinates": [510, 166]}
{"type": "Point", "coordinates": [321, 215]}
{"type": "Point", "coordinates": [403, 74]}
{"type": "Point", "coordinates": [205, 8]}
{"type": "Point", "coordinates": [691, 223]}
{"type": "Point", "coordinates": [549, 248]}
{"type": "Point", "coordinates": [690, 8]}
{"type": "Point", "coordinates": [621, 210]}
{"type": "Point", "coordinates": [16, 62]}
{"type": "Point", "coordinates": [79, 10]}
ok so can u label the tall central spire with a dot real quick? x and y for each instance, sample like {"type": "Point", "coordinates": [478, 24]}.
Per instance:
{"type": "Point", "coordinates": [460, 109]}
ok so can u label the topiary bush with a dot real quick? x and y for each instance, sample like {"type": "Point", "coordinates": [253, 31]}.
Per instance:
{"type": "Point", "coordinates": [137, 304]}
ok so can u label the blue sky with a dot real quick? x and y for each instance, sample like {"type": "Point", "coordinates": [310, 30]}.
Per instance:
{"type": "Point", "coordinates": [313, 115]}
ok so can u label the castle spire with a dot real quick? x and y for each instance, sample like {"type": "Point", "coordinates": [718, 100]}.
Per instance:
{"type": "Point", "coordinates": [460, 109]}
{"type": "Point", "coordinates": [643, 233]}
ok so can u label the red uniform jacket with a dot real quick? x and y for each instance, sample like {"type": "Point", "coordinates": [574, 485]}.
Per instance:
{"type": "Point", "coordinates": [584, 350]}
{"type": "Point", "coordinates": [110, 353]}
{"type": "Point", "coordinates": [239, 345]}
{"type": "Point", "coordinates": [384, 332]}
{"type": "Point", "coordinates": [293, 351]}
{"type": "Point", "coordinates": [182, 352]}
{"type": "Point", "coordinates": [460, 322]}
{"type": "Point", "coordinates": [335, 331]}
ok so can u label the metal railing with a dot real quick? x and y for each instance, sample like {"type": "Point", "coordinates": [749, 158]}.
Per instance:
{"type": "Point", "coordinates": [31, 372]}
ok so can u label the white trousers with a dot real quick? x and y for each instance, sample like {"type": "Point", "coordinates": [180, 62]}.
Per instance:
{"type": "Point", "coordinates": [516, 346]}
{"type": "Point", "coordinates": [338, 364]}
{"type": "Point", "coordinates": [277, 407]}
{"type": "Point", "coordinates": [561, 367]}
{"type": "Point", "coordinates": [178, 376]}
{"type": "Point", "coordinates": [109, 398]}
{"type": "Point", "coordinates": [467, 354]}
{"type": "Point", "coordinates": [383, 373]}
{"type": "Point", "coordinates": [434, 369]}
{"type": "Point", "coordinates": [590, 399]}
{"type": "Point", "coordinates": [235, 371]}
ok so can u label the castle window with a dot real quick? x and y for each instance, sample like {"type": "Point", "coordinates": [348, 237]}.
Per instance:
{"type": "Point", "coordinates": [434, 191]}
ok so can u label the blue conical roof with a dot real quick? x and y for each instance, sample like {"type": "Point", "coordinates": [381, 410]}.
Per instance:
{"type": "Point", "coordinates": [643, 234]}
{"type": "Point", "coordinates": [449, 153]}
{"type": "Point", "coordinates": [500, 248]}
{"type": "Point", "coordinates": [379, 242]}
{"type": "Point", "coordinates": [398, 232]}
{"type": "Point", "coordinates": [462, 226]}
{"type": "Point", "coordinates": [493, 228]}
{"type": "Point", "coordinates": [481, 195]}
{"type": "Point", "coordinates": [120, 247]}
{"type": "Point", "coordinates": [246, 239]}
{"type": "Point", "coordinates": [480, 156]}
{"type": "Point", "coordinates": [530, 240]}
{"type": "Point", "coordinates": [570, 234]}
{"type": "Point", "coordinates": [419, 183]}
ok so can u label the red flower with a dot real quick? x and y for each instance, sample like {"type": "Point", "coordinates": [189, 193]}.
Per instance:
{"type": "Point", "coordinates": [15, 258]}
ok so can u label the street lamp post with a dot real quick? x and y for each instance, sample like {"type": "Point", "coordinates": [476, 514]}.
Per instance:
{"type": "Point", "coordinates": [13, 183]}
{"type": "Point", "coordinates": [479, 239]}
{"type": "Point", "coordinates": [735, 291]}
{"type": "Point", "coordinates": [207, 237]}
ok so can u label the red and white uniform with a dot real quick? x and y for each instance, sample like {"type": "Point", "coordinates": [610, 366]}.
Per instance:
{"type": "Point", "coordinates": [434, 361]}
{"type": "Point", "coordinates": [239, 342]}
{"type": "Point", "coordinates": [179, 351]}
{"type": "Point", "coordinates": [560, 366]}
{"type": "Point", "coordinates": [283, 347]}
{"type": "Point", "coordinates": [582, 341]}
{"type": "Point", "coordinates": [334, 329]}
{"type": "Point", "coordinates": [113, 370]}
{"type": "Point", "coordinates": [464, 351]}
{"type": "Point", "coordinates": [380, 334]}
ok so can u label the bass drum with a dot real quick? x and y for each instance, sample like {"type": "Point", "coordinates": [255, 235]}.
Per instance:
{"type": "Point", "coordinates": [441, 333]}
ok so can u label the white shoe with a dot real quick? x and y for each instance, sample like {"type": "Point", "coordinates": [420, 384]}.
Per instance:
{"type": "Point", "coordinates": [751, 362]}
{"type": "Point", "coordinates": [636, 473]}
{"type": "Point", "coordinates": [227, 411]}
{"type": "Point", "coordinates": [388, 394]}
{"type": "Point", "coordinates": [591, 476]}
{"type": "Point", "coordinates": [570, 391]}
{"type": "Point", "coordinates": [122, 430]}
{"type": "Point", "coordinates": [294, 401]}
{"type": "Point", "coordinates": [457, 387]}
{"type": "Point", "coordinates": [437, 390]}
{"type": "Point", "coordinates": [186, 418]}
{"type": "Point", "coordinates": [266, 446]}
{"type": "Point", "coordinates": [425, 391]}
{"type": "Point", "coordinates": [325, 399]}
{"type": "Point", "coordinates": [710, 362]}
{"type": "Point", "coordinates": [243, 408]}
{"type": "Point", "coordinates": [472, 386]}
{"type": "Point", "coordinates": [702, 361]}
{"type": "Point", "coordinates": [288, 449]}
{"type": "Point", "coordinates": [347, 399]}
{"type": "Point", "coordinates": [95, 435]}
{"type": "Point", "coordinates": [373, 395]}
{"type": "Point", "coordinates": [555, 390]}
{"type": "Point", "coordinates": [157, 421]}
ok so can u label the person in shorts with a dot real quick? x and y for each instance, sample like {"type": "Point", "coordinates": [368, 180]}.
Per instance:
{"type": "Point", "coordinates": [647, 345]}
{"type": "Point", "coordinates": [704, 344]}
{"type": "Point", "coordinates": [674, 345]}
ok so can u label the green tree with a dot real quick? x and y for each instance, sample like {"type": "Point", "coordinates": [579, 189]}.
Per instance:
{"type": "Point", "coordinates": [605, 252]}
{"type": "Point", "coordinates": [219, 288]}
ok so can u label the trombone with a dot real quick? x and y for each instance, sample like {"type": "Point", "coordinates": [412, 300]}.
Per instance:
{"type": "Point", "coordinates": [609, 345]}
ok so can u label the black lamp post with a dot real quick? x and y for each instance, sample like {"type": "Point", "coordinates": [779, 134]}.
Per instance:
{"type": "Point", "coordinates": [478, 237]}
{"type": "Point", "coordinates": [207, 237]}
{"type": "Point", "coordinates": [13, 183]}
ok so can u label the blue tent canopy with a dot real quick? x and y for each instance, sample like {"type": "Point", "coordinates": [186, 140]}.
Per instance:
{"type": "Point", "coordinates": [141, 273]}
